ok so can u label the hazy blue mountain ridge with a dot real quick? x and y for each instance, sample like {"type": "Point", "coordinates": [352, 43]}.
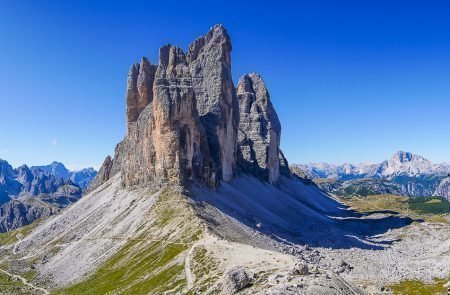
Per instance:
{"type": "Point", "coordinates": [404, 174]}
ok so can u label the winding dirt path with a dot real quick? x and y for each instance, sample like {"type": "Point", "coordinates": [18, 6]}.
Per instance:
{"type": "Point", "coordinates": [187, 268]}
{"type": "Point", "coordinates": [25, 281]}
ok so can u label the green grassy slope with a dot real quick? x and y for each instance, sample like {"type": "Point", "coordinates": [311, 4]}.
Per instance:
{"type": "Point", "coordinates": [153, 262]}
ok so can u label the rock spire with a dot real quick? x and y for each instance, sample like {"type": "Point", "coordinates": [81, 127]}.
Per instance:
{"type": "Point", "coordinates": [187, 121]}
{"type": "Point", "coordinates": [259, 129]}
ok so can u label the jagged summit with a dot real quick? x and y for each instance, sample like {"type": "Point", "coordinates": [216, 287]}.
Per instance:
{"type": "Point", "coordinates": [402, 156]}
{"type": "Point", "coordinates": [56, 168]}
{"type": "Point", "coordinates": [259, 129]}
{"type": "Point", "coordinates": [412, 174]}
{"type": "Point", "coordinates": [187, 120]}
{"type": "Point", "coordinates": [411, 164]}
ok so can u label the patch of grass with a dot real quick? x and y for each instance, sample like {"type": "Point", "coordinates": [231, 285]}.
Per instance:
{"type": "Point", "coordinates": [324, 180]}
{"type": "Point", "coordinates": [204, 269]}
{"type": "Point", "coordinates": [429, 205]}
{"type": "Point", "coordinates": [11, 237]}
{"type": "Point", "coordinates": [10, 285]}
{"type": "Point", "coordinates": [30, 275]}
{"type": "Point", "coordinates": [378, 203]}
{"type": "Point", "coordinates": [136, 269]}
{"type": "Point", "coordinates": [414, 287]}
{"type": "Point", "coordinates": [432, 209]}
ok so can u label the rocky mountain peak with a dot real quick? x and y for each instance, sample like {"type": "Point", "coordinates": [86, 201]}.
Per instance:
{"type": "Point", "coordinates": [6, 170]}
{"type": "Point", "coordinates": [402, 157]}
{"type": "Point", "coordinates": [55, 168]}
{"type": "Point", "coordinates": [209, 60]}
{"type": "Point", "coordinates": [216, 37]}
{"type": "Point", "coordinates": [24, 174]}
{"type": "Point", "coordinates": [183, 117]}
{"type": "Point", "coordinates": [410, 164]}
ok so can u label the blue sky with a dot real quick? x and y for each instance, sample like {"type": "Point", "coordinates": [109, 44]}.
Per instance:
{"type": "Point", "coordinates": [352, 81]}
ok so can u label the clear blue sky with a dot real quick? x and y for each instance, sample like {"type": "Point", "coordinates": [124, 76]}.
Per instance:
{"type": "Point", "coordinates": [351, 82]}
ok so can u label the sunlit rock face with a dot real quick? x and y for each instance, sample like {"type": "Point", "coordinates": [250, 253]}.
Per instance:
{"type": "Point", "coordinates": [187, 121]}
{"type": "Point", "coordinates": [177, 135]}
{"type": "Point", "coordinates": [139, 89]}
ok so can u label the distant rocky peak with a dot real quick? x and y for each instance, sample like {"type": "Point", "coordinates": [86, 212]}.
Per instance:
{"type": "Point", "coordinates": [6, 170]}
{"type": "Point", "coordinates": [55, 168]}
{"type": "Point", "coordinates": [410, 164]}
{"type": "Point", "coordinates": [24, 174]}
{"type": "Point", "coordinates": [404, 157]}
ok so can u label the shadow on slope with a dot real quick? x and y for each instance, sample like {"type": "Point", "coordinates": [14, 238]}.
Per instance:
{"type": "Point", "coordinates": [248, 210]}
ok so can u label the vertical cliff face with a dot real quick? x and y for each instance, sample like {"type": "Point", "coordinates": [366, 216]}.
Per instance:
{"type": "Point", "coordinates": [209, 60]}
{"type": "Point", "coordinates": [259, 129]}
{"type": "Point", "coordinates": [176, 129]}
{"type": "Point", "coordinates": [139, 89]}
{"type": "Point", "coordinates": [145, 81]}
{"type": "Point", "coordinates": [183, 117]}
{"type": "Point", "coordinates": [132, 95]}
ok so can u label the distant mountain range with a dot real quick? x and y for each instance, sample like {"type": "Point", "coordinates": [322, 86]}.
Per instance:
{"type": "Point", "coordinates": [27, 194]}
{"type": "Point", "coordinates": [81, 177]}
{"type": "Point", "coordinates": [405, 173]}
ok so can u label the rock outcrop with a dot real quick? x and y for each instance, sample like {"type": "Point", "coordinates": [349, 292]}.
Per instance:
{"type": "Point", "coordinates": [109, 168]}
{"type": "Point", "coordinates": [183, 117]}
{"type": "Point", "coordinates": [443, 189]}
{"type": "Point", "coordinates": [16, 214]}
{"type": "Point", "coordinates": [235, 280]}
{"type": "Point", "coordinates": [139, 89]}
{"type": "Point", "coordinates": [103, 174]}
{"type": "Point", "coordinates": [259, 129]}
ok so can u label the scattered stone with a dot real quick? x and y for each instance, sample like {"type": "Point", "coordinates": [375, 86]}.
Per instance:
{"type": "Point", "coordinates": [274, 277]}
{"type": "Point", "coordinates": [342, 267]}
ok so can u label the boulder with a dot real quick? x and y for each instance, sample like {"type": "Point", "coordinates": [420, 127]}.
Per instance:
{"type": "Point", "coordinates": [235, 280]}
{"type": "Point", "coordinates": [299, 269]}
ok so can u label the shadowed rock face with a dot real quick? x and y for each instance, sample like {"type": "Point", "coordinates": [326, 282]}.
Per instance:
{"type": "Point", "coordinates": [16, 214]}
{"type": "Point", "coordinates": [183, 120]}
{"type": "Point", "coordinates": [259, 129]}
{"type": "Point", "coordinates": [210, 66]}
{"type": "Point", "coordinates": [103, 174]}
{"type": "Point", "coordinates": [443, 189]}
